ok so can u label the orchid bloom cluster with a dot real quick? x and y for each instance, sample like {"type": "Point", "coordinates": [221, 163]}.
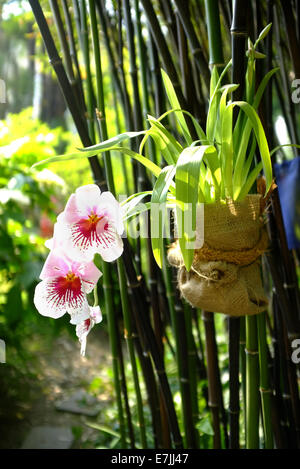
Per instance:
{"type": "Point", "coordinates": [91, 223]}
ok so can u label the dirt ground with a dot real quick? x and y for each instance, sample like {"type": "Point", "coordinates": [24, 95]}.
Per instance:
{"type": "Point", "coordinates": [57, 371]}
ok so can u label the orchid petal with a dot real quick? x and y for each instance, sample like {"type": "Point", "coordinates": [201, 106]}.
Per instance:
{"type": "Point", "coordinates": [114, 211]}
{"type": "Point", "coordinates": [110, 245]}
{"type": "Point", "coordinates": [53, 299]}
{"type": "Point", "coordinates": [95, 314]}
{"type": "Point", "coordinates": [55, 265]}
{"type": "Point", "coordinates": [83, 329]}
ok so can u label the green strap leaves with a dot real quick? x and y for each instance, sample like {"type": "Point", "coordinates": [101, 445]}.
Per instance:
{"type": "Point", "coordinates": [187, 191]}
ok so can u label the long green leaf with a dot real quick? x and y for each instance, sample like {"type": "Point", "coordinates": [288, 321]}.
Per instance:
{"type": "Point", "coordinates": [155, 170]}
{"type": "Point", "coordinates": [157, 211]}
{"type": "Point", "coordinates": [212, 114]}
{"type": "Point", "coordinates": [175, 105]}
{"type": "Point", "coordinates": [187, 191]}
{"type": "Point", "coordinates": [168, 144]}
{"type": "Point", "coordinates": [215, 85]}
{"type": "Point", "coordinates": [112, 142]}
{"type": "Point", "coordinates": [243, 129]}
{"type": "Point", "coordinates": [250, 181]}
{"type": "Point", "coordinates": [262, 145]}
{"type": "Point", "coordinates": [225, 118]}
{"type": "Point", "coordinates": [199, 130]}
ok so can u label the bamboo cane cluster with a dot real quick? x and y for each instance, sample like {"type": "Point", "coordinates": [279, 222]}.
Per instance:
{"type": "Point", "coordinates": [261, 406]}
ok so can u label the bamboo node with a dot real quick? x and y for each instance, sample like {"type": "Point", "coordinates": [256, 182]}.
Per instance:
{"type": "Point", "coordinates": [251, 352]}
{"type": "Point", "coordinates": [152, 281]}
{"type": "Point", "coordinates": [100, 183]}
{"type": "Point", "coordinates": [239, 33]}
{"type": "Point", "coordinates": [99, 114]}
{"type": "Point", "coordinates": [197, 51]}
{"type": "Point", "coordinates": [212, 404]}
{"type": "Point", "coordinates": [56, 61]}
{"type": "Point", "coordinates": [265, 391]}
{"type": "Point", "coordinates": [289, 285]}
{"type": "Point", "coordinates": [293, 335]}
{"type": "Point", "coordinates": [128, 336]}
{"type": "Point", "coordinates": [184, 380]}
{"type": "Point", "coordinates": [134, 285]}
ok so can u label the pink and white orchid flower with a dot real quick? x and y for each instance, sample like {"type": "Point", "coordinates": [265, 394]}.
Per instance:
{"type": "Point", "coordinates": [91, 223]}
{"type": "Point", "coordinates": [83, 329]}
{"type": "Point", "coordinates": [65, 284]}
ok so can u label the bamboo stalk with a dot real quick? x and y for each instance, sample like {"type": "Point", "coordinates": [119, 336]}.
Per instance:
{"type": "Point", "coordinates": [108, 167]}
{"type": "Point", "coordinates": [169, 19]}
{"type": "Point", "coordinates": [281, 440]}
{"type": "Point", "coordinates": [214, 33]}
{"type": "Point", "coordinates": [163, 50]}
{"type": "Point", "coordinates": [192, 368]}
{"type": "Point", "coordinates": [148, 372]}
{"type": "Point", "coordinates": [179, 327]}
{"type": "Point", "coordinates": [286, 87]}
{"type": "Point", "coordinates": [265, 389]}
{"type": "Point", "coordinates": [238, 43]}
{"type": "Point", "coordinates": [179, 331]}
{"type": "Point", "coordinates": [234, 385]}
{"type": "Point", "coordinates": [195, 45]}
{"type": "Point", "coordinates": [291, 283]}
{"type": "Point", "coordinates": [269, 91]}
{"type": "Point", "coordinates": [292, 385]}
{"type": "Point", "coordinates": [128, 334]}
{"type": "Point", "coordinates": [112, 330]}
{"type": "Point", "coordinates": [123, 386]}
{"type": "Point", "coordinates": [146, 329]}
{"type": "Point", "coordinates": [291, 33]}
{"type": "Point", "coordinates": [195, 106]}
{"type": "Point", "coordinates": [156, 76]}
{"type": "Point", "coordinates": [252, 384]}
{"type": "Point", "coordinates": [64, 44]}
{"type": "Point", "coordinates": [91, 105]}
{"type": "Point", "coordinates": [112, 61]}
{"type": "Point", "coordinates": [152, 268]}
{"type": "Point", "coordinates": [118, 368]}
{"type": "Point", "coordinates": [73, 52]}
{"type": "Point", "coordinates": [96, 169]}
{"type": "Point", "coordinates": [66, 89]}
{"type": "Point", "coordinates": [212, 372]}
{"type": "Point", "coordinates": [285, 391]}
{"type": "Point", "coordinates": [242, 366]}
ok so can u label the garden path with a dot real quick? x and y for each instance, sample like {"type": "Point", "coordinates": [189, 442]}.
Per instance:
{"type": "Point", "coordinates": [57, 373]}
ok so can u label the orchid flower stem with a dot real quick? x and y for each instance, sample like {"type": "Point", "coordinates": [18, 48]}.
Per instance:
{"type": "Point", "coordinates": [96, 300]}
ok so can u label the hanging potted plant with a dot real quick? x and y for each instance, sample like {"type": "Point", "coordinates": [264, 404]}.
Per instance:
{"type": "Point", "coordinates": [209, 183]}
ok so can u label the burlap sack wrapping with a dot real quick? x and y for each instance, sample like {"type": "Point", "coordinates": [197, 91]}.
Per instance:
{"type": "Point", "coordinates": [225, 274]}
